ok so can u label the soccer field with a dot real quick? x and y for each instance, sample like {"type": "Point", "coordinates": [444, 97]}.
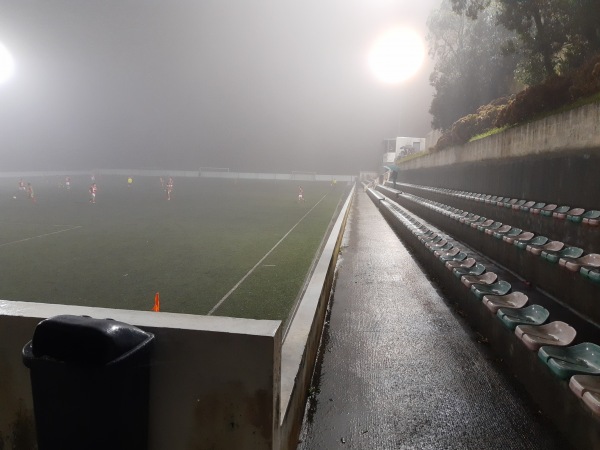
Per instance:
{"type": "Point", "coordinates": [226, 247]}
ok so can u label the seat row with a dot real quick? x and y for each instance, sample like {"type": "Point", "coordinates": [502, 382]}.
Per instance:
{"type": "Point", "coordinates": [570, 257]}
{"type": "Point", "coordinates": [580, 363]}
{"type": "Point", "coordinates": [563, 212]}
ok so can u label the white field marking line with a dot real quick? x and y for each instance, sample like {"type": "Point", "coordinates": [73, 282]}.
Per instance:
{"type": "Point", "coordinates": [40, 236]}
{"type": "Point", "coordinates": [220, 302]}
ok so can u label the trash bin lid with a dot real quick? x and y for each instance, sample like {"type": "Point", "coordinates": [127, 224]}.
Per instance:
{"type": "Point", "coordinates": [84, 340]}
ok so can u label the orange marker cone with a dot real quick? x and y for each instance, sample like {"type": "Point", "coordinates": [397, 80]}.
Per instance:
{"type": "Point", "coordinates": [156, 307]}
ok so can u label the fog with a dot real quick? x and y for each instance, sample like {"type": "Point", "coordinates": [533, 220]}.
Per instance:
{"type": "Point", "coordinates": [253, 86]}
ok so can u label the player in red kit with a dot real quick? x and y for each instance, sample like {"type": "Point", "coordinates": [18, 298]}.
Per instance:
{"type": "Point", "coordinates": [169, 188]}
{"type": "Point", "coordinates": [93, 190]}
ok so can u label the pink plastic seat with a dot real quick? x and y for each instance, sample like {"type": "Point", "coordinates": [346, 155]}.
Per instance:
{"type": "Point", "coordinates": [438, 244]}
{"type": "Point", "coordinates": [589, 260]}
{"type": "Point", "coordinates": [467, 263]}
{"type": "Point", "coordinates": [524, 236]}
{"type": "Point", "coordinates": [513, 300]}
{"type": "Point", "coordinates": [588, 388]}
{"type": "Point", "coordinates": [552, 246]}
{"type": "Point", "coordinates": [502, 229]}
{"type": "Point", "coordinates": [557, 333]}
{"type": "Point", "coordinates": [486, 278]}
{"type": "Point", "coordinates": [452, 252]}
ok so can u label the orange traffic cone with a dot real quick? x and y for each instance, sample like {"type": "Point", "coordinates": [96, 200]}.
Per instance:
{"type": "Point", "coordinates": [156, 307]}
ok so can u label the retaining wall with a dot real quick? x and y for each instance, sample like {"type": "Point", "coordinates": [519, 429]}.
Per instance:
{"type": "Point", "coordinates": [551, 160]}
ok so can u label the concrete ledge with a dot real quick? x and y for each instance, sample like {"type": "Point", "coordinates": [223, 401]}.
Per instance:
{"type": "Point", "coordinates": [302, 342]}
{"type": "Point", "coordinates": [214, 380]}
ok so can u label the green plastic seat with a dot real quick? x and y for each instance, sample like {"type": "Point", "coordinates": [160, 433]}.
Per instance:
{"type": "Point", "coordinates": [591, 217]}
{"type": "Point", "coordinates": [590, 273]}
{"type": "Point", "coordinates": [508, 237]}
{"type": "Point", "coordinates": [500, 287]}
{"type": "Point", "coordinates": [548, 209]}
{"type": "Point", "coordinates": [491, 199]}
{"type": "Point", "coordinates": [561, 212]}
{"type": "Point", "coordinates": [536, 243]}
{"type": "Point", "coordinates": [537, 207]}
{"type": "Point", "coordinates": [459, 257]}
{"type": "Point", "coordinates": [530, 315]}
{"type": "Point", "coordinates": [476, 223]}
{"type": "Point", "coordinates": [568, 252]}
{"type": "Point", "coordinates": [564, 362]}
{"type": "Point", "coordinates": [477, 269]}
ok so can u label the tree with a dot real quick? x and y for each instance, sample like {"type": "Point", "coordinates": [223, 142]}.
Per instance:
{"type": "Point", "coordinates": [470, 69]}
{"type": "Point", "coordinates": [553, 36]}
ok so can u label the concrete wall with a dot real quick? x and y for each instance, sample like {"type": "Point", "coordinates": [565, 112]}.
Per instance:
{"type": "Point", "coordinates": [303, 337]}
{"type": "Point", "coordinates": [551, 160]}
{"type": "Point", "coordinates": [572, 130]}
{"type": "Point", "coordinates": [214, 380]}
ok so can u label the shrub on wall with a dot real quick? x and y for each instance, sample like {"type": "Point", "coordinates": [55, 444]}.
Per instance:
{"type": "Point", "coordinates": [545, 97]}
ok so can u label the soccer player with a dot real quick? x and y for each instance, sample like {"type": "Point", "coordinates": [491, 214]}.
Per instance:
{"type": "Point", "coordinates": [93, 190]}
{"type": "Point", "coordinates": [162, 182]}
{"type": "Point", "coordinates": [129, 182]}
{"type": "Point", "coordinates": [169, 188]}
{"type": "Point", "coordinates": [300, 194]}
{"type": "Point", "coordinates": [30, 193]}
{"type": "Point", "coordinates": [68, 182]}
{"type": "Point", "coordinates": [22, 185]}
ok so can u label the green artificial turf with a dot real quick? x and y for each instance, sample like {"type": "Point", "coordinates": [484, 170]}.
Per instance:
{"type": "Point", "coordinates": [133, 243]}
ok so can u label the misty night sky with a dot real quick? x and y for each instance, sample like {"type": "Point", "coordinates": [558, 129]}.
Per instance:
{"type": "Point", "coordinates": [255, 86]}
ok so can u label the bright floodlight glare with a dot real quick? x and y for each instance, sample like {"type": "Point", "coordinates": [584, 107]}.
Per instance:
{"type": "Point", "coordinates": [396, 55]}
{"type": "Point", "coordinates": [7, 64]}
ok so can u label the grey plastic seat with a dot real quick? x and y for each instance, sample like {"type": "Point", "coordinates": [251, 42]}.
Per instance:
{"type": "Point", "coordinates": [513, 300]}
{"type": "Point", "coordinates": [555, 333]}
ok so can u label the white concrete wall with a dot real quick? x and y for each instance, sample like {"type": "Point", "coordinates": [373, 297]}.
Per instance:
{"type": "Point", "coordinates": [214, 380]}
{"type": "Point", "coordinates": [572, 130]}
{"type": "Point", "coordinates": [185, 174]}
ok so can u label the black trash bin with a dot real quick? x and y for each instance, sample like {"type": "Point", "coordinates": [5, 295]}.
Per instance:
{"type": "Point", "coordinates": [90, 383]}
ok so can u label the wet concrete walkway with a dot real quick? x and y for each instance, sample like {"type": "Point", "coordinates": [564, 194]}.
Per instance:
{"type": "Point", "coordinates": [399, 369]}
